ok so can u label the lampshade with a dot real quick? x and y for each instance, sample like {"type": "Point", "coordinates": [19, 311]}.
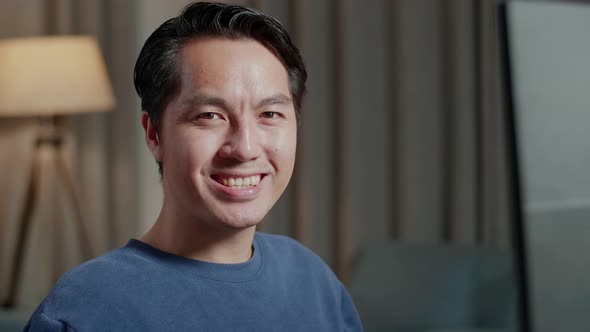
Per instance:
{"type": "Point", "coordinates": [53, 76]}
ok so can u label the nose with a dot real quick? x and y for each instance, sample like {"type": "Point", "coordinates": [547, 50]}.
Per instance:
{"type": "Point", "coordinates": [243, 143]}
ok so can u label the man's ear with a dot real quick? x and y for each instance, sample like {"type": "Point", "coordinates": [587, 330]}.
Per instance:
{"type": "Point", "coordinates": [152, 138]}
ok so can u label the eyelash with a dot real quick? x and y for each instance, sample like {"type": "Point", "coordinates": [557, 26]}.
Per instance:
{"type": "Point", "coordinates": [264, 115]}
{"type": "Point", "coordinates": [208, 115]}
{"type": "Point", "coordinates": [273, 115]}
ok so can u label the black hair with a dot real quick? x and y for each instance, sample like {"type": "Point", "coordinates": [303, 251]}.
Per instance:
{"type": "Point", "coordinates": [156, 75]}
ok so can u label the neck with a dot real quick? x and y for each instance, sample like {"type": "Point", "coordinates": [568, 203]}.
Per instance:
{"type": "Point", "coordinates": [185, 236]}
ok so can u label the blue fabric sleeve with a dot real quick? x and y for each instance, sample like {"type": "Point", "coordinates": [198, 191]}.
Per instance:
{"type": "Point", "coordinates": [350, 315]}
{"type": "Point", "coordinates": [42, 323]}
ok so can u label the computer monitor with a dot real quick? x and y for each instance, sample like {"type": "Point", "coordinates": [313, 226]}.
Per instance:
{"type": "Point", "coordinates": [548, 90]}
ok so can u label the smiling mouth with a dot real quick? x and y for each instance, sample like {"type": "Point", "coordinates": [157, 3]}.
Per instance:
{"type": "Point", "coordinates": [238, 182]}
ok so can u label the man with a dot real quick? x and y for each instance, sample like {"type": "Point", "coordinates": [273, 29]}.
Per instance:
{"type": "Point", "coordinates": [221, 87]}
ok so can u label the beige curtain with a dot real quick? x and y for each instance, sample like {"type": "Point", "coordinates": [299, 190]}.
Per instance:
{"type": "Point", "coordinates": [403, 132]}
{"type": "Point", "coordinates": [422, 151]}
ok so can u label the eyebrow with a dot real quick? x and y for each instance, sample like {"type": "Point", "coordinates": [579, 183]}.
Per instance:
{"type": "Point", "coordinates": [277, 99]}
{"type": "Point", "coordinates": [204, 99]}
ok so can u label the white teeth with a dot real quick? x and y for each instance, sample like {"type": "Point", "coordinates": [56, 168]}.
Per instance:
{"type": "Point", "coordinates": [241, 183]}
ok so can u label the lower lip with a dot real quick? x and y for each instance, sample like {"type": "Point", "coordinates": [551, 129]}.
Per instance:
{"type": "Point", "coordinates": [246, 193]}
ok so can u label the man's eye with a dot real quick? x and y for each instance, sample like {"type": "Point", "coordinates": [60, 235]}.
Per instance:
{"type": "Point", "coordinates": [208, 116]}
{"type": "Point", "coordinates": [270, 115]}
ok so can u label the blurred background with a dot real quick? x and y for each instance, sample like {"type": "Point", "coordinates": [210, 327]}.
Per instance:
{"type": "Point", "coordinates": [402, 179]}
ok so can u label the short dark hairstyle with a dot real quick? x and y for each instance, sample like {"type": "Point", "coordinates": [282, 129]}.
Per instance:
{"type": "Point", "coordinates": [156, 75]}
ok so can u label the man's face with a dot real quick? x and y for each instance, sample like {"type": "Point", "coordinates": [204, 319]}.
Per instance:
{"type": "Point", "coordinates": [228, 138]}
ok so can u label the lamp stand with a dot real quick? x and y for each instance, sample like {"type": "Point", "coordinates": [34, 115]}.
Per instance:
{"type": "Point", "coordinates": [52, 137]}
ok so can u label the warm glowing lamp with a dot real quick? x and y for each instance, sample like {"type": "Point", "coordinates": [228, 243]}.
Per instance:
{"type": "Point", "coordinates": [50, 78]}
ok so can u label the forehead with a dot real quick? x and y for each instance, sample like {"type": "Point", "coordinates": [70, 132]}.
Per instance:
{"type": "Point", "coordinates": [210, 60]}
{"type": "Point", "coordinates": [236, 73]}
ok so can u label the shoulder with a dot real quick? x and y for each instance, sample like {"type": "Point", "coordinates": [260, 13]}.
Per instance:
{"type": "Point", "coordinates": [284, 245]}
{"type": "Point", "coordinates": [291, 261]}
{"type": "Point", "coordinates": [118, 263]}
{"type": "Point", "coordinates": [100, 291]}
{"type": "Point", "coordinates": [41, 322]}
{"type": "Point", "coordinates": [277, 240]}
{"type": "Point", "coordinates": [92, 282]}
{"type": "Point", "coordinates": [288, 254]}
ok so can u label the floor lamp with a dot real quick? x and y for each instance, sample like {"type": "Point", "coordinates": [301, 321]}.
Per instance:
{"type": "Point", "coordinates": [50, 78]}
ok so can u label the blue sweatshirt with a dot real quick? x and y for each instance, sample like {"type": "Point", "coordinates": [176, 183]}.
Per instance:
{"type": "Point", "coordinates": [283, 287]}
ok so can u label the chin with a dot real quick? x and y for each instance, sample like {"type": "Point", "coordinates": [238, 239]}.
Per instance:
{"type": "Point", "coordinates": [239, 221]}
{"type": "Point", "coordinates": [238, 225]}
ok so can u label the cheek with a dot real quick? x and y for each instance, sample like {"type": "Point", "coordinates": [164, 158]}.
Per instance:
{"type": "Point", "coordinates": [191, 150]}
{"type": "Point", "coordinates": [284, 146]}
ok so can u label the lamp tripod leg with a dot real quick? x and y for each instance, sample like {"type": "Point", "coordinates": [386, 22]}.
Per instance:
{"type": "Point", "coordinates": [86, 242]}
{"type": "Point", "coordinates": [23, 231]}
